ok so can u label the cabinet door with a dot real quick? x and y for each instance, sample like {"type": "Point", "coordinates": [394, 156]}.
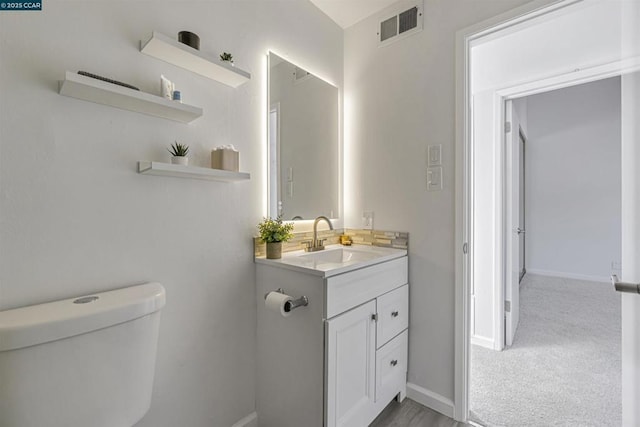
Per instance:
{"type": "Point", "coordinates": [350, 359]}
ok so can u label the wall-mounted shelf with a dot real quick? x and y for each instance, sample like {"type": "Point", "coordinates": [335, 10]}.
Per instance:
{"type": "Point", "coordinates": [90, 89]}
{"type": "Point", "coordinates": [169, 50]}
{"type": "Point", "coordinates": [192, 172]}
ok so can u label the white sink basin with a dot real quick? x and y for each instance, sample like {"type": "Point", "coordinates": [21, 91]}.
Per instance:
{"type": "Point", "coordinates": [337, 255]}
{"type": "Point", "coordinates": [335, 259]}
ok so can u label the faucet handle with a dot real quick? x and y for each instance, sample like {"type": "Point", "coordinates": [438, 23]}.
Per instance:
{"type": "Point", "coordinates": [320, 243]}
{"type": "Point", "coordinates": [308, 244]}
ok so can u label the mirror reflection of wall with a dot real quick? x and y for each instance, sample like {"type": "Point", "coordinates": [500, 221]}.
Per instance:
{"type": "Point", "coordinates": [303, 143]}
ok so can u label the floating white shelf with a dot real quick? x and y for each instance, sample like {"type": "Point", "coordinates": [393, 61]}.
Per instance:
{"type": "Point", "coordinates": [90, 89]}
{"type": "Point", "coordinates": [193, 172]}
{"type": "Point", "coordinates": [169, 50]}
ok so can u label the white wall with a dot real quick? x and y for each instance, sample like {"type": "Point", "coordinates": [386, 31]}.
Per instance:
{"type": "Point", "coordinates": [572, 180]}
{"type": "Point", "coordinates": [398, 100]}
{"type": "Point", "coordinates": [485, 323]}
{"type": "Point", "coordinates": [529, 57]}
{"type": "Point", "coordinates": [483, 319]}
{"type": "Point", "coordinates": [76, 218]}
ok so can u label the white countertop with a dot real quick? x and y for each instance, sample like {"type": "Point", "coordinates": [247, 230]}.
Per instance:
{"type": "Point", "coordinates": [334, 259]}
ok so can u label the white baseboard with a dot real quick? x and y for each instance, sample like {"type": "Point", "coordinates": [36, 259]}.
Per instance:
{"type": "Point", "coordinates": [250, 420]}
{"type": "Point", "coordinates": [569, 275]}
{"type": "Point", "coordinates": [430, 399]}
{"type": "Point", "coordinates": [482, 342]}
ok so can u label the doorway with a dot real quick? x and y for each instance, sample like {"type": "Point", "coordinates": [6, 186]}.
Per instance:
{"type": "Point", "coordinates": [561, 361]}
{"type": "Point", "coordinates": [513, 76]}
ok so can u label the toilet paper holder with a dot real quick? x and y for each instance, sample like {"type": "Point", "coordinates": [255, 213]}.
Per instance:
{"type": "Point", "coordinates": [303, 301]}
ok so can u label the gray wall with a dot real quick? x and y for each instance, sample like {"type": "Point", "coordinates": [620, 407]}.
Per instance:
{"type": "Point", "coordinates": [75, 217]}
{"type": "Point", "coordinates": [398, 100]}
{"type": "Point", "coordinates": [573, 201]}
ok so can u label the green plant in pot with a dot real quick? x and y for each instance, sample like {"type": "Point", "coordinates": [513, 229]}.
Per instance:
{"type": "Point", "coordinates": [273, 232]}
{"type": "Point", "coordinates": [179, 153]}
{"type": "Point", "coordinates": [226, 57]}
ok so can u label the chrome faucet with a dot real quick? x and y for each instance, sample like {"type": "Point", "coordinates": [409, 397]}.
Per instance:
{"type": "Point", "coordinates": [317, 244]}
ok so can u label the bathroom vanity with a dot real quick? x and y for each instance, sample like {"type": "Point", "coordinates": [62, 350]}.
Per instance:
{"type": "Point", "coordinates": [341, 359]}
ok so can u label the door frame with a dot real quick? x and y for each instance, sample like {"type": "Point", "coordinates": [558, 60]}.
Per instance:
{"type": "Point", "coordinates": [463, 162]}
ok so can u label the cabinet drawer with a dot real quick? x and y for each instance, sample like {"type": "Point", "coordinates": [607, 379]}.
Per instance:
{"type": "Point", "coordinates": [391, 367]}
{"type": "Point", "coordinates": [393, 314]}
{"type": "Point", "coordinates": [348, 290]}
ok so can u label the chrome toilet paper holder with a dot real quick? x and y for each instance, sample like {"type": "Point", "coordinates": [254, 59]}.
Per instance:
{"type": "Point", "coordinates": [303, 301]}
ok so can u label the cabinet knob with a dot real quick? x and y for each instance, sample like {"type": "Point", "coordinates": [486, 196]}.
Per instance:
{"type": "Point", "coordinates": [374, 317]}
{"type": "Point", "coordinates": [394, 313]}
{"type": "Point", "coordinates": [394, 362]}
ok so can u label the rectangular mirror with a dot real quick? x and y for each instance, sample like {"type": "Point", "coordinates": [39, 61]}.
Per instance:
{"type": "Point", "coordinates": [303, 142]}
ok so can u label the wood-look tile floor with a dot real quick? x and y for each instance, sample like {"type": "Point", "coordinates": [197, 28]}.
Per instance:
{"type": "Point", "coordinates": [412, 414]}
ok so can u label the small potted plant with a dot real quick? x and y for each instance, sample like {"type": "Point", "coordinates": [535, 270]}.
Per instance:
{"type": "Point", "coordinates": [273, 232]}
{"type": "Point", "coordinates": [226, 57]}
{"type": "Point", "coordinates": [179, 153]}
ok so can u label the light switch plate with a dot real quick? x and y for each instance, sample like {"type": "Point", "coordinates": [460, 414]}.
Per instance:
{"type": "Point", "coordinates": [434, 178]}
{"type": "Point", "coordinates": [434, 155]}
{"type": "Point", "coordinates": [367, 220]}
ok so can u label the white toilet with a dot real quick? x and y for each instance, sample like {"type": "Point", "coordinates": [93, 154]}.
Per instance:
{"type": "Point", "coordinates": [81, 362]}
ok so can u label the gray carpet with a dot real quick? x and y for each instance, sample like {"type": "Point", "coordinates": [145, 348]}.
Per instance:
{"type": "Point", "coordinates": [564, 366]}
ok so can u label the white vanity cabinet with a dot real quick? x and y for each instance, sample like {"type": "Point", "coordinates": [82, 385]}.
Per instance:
{"type": "Point", "coordinates": [340, 360]}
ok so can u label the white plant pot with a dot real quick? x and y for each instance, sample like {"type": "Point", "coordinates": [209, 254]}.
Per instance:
{"type": "Point", "coordinates": [180, 160]}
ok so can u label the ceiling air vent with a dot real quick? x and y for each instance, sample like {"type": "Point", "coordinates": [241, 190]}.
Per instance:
{"type": "Point", "coordinates": [401, 24]}
{"type": "Point", "coordinates": [388, 28]}
{"type": "Point", "coordinates": [408, 19]}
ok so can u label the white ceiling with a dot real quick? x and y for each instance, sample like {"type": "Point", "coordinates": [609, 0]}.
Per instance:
{"type": "Point", "coordinates": [347, 12]}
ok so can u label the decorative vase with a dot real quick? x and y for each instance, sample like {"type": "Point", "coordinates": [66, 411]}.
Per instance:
{"type": "Point", "coordinates": [180, 160]}
{"type": "Point", "coordinates": [274, 250]}
{"type": "Point", "coordinates": [190, 39]}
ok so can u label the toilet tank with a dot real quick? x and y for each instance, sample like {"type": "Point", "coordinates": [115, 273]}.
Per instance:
{"type": "Point", "coordinates": [81, 362]}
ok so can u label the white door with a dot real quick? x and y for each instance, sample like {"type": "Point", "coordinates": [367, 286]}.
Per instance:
{"type": "Point", "coordinates": [514, 216]}
{"type": "Point", "coordinates": [351, 351]}
{"type": "Point", "coordinates": [630, 249]}
{"type": "Point", "coordinates": [521, 206]}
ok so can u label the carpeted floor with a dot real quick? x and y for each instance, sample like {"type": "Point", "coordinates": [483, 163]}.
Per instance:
{"type": "Point", "coordinates": [564, 366]}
